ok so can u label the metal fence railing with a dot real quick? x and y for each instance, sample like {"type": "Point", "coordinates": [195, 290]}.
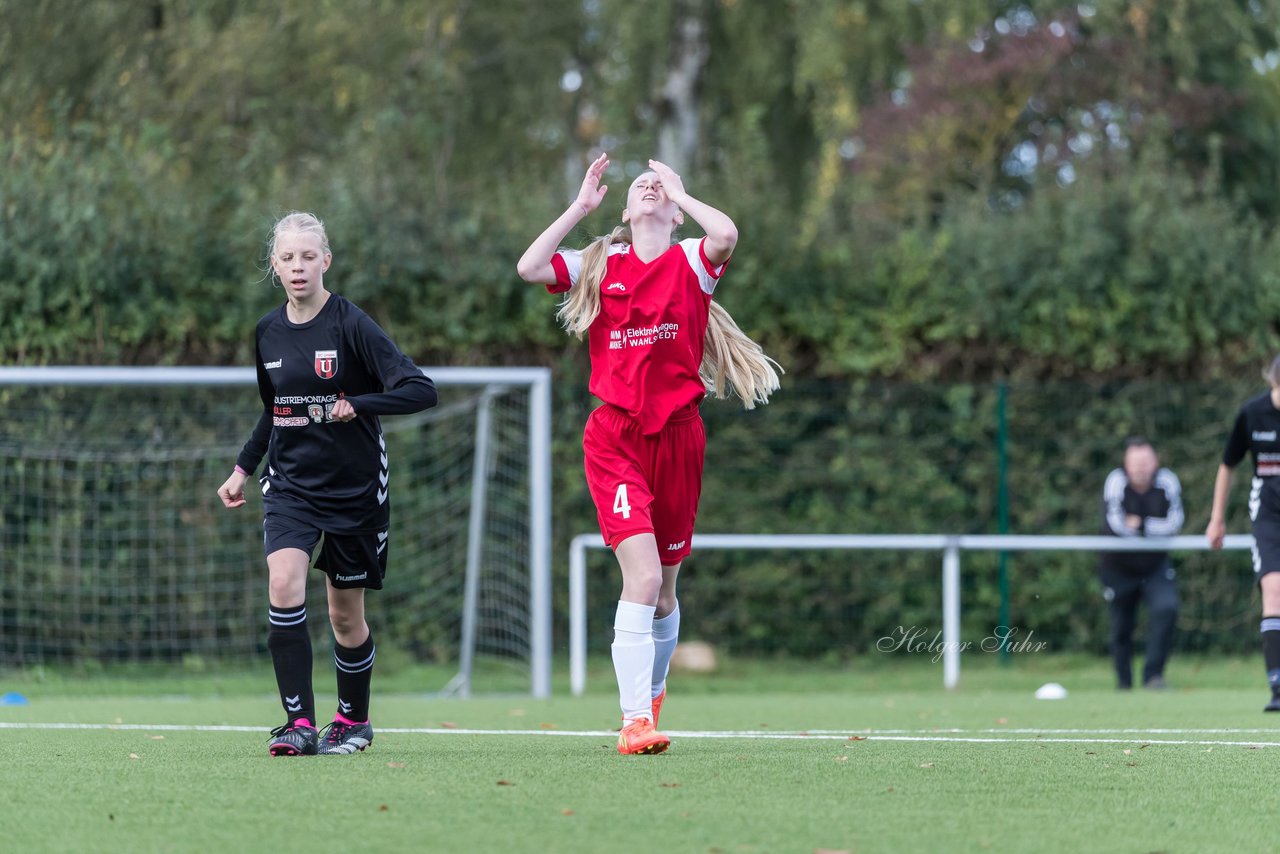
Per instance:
{"type": "Point", "coordinates": [950, 545]}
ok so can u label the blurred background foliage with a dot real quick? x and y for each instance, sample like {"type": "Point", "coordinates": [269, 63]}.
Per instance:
{"type": "Point", "coordinates": [934, 189]}
{"type": "Point", "coordinates": [934, 197]}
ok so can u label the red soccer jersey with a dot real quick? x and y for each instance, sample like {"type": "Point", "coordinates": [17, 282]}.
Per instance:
{"type": "Point", "coordinates": [646, 343]}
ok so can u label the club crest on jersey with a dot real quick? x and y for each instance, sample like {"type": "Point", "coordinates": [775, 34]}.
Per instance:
{"type": "Point", "coordinates": [326, 364]}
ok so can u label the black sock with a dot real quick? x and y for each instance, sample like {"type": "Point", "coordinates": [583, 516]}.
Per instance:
{"type": "Point", "coordinates": [1271, 651]}
{"type": "Point", "coordinates": [290, 647]}
{"type": "Point", "coordinates": [355, 672]}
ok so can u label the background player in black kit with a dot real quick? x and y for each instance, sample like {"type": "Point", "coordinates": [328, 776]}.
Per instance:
{"type": "Point", "coordinates": [1257, 429]}
{"type": "Point", "coordinates": [1140, 499]}
{"type": "Point", "coordinates": [326, 372]}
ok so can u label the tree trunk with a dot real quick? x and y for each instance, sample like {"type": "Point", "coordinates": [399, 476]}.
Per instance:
{"type": "Point", "coordinates": [679, 128]}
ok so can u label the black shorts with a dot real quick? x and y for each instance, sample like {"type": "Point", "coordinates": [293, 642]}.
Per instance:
{"type": "Point", "coordinates": [350, 560]}
{"type": "Point", "coordinates": [1266, 546]}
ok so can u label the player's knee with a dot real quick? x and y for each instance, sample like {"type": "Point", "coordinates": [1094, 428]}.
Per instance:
{"type": "Point", "coordinates": [650, 585]}
{"type": "Point", "coordinates": [666, 604]}
{"type": "Point", "coordinates": [641, 590]}
{"type": "Point", "coordinates": [344, 620]}
{"type": "Point", "coordinates": [284, 593]}
{"type": "Point", "coordinates": [1270, 584]}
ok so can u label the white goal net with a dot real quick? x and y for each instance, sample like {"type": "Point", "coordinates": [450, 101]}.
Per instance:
{"type": "Point", "coordinates": [116, 549]}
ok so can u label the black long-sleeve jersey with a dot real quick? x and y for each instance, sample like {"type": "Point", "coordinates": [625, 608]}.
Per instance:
{"type": "Point", "coordinates": [331, 474]}
{"type": "Point", "coordinates": [1257, 430]}
{"type": "Point", "coordinates": [1159, 508]}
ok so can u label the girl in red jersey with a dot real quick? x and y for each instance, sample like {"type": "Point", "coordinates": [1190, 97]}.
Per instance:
{"type": "Point", "coordinates": [658, 344]}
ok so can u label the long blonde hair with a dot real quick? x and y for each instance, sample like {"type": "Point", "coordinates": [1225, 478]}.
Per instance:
{"type": "Point", "coordinates": [731, 362]}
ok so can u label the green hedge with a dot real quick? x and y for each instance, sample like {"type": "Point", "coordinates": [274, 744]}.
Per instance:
{"type": "Point", "coordinates": [895, 458]}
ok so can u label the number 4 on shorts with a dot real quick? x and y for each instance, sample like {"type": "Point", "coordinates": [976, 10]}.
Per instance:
{"type": "Point", "coordinates": [620, 504]}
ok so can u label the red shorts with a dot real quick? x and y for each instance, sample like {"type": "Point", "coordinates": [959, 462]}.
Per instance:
{"type": "Point", "coordinates": [645, 484]}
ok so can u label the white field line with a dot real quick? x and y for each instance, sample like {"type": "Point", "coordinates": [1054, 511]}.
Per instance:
{"type": "Point", "coordinates": [980, 736]}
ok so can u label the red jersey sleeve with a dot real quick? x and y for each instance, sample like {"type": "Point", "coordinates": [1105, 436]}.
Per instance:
{"type": "Point", "coordinates": [567, 263]}
{"type": "Point", "coordinates": [696, 254]}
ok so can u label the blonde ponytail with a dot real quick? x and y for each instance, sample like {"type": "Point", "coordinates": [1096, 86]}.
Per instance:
{"type": "Point", "coordinates": [732, 362]}
{"type": "Point", "coordinates": [582, 303]}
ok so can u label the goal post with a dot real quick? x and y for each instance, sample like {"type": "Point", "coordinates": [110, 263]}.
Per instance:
{"type": "Point", "coordinates": [116, 549]}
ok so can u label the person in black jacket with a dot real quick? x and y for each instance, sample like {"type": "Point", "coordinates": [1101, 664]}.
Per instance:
{"type": "Point", "coordinates": [1141, 499]}
{"type": "Point", "coordinates": [1257, 431]}
{"type": "Point", "coordinates": [326, 372]}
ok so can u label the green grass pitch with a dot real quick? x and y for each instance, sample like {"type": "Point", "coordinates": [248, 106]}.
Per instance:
{"type": "Point", "coordinates": [764, 759]}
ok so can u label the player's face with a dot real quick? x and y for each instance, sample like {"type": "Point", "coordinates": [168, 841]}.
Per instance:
{"type": "Point", "coordinates": [1140, 465]}
{"type": "Point", "coordinates": [646, 198]}
{"type": "Point", "coordinates": [300, 262]}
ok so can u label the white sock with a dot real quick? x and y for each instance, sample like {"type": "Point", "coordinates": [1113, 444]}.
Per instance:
{"type": "Point", "coordinates": [666, 630]}
{"type": "Point", "coordinates": [633, 658]}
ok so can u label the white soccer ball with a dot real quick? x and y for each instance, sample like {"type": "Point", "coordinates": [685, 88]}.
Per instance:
{"type": "Point", "coordinates": [1051, 691]}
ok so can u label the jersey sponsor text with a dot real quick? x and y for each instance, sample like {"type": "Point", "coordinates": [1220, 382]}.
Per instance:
{"type": "Point", "coordinates": [310, 398]}
{"type": "Point", "coordinates": [1268, 465]}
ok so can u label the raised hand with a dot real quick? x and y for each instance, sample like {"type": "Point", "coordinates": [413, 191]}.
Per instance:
{"type": "Point", "coordinates": [591, 194]}
{"type": "Point", "coordinates": [671, 183]}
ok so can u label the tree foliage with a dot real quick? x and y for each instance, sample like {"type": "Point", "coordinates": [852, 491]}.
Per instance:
{"type": "Point", "coordinates": [926, 189]}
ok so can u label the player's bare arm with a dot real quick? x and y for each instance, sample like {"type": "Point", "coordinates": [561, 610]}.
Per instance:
{"type": "Point", "coordinates": [722, 234]}
{"type": "Point", "coordinates": [1217, 529]}
{"type": "Point", "coordinates": [535, 264]}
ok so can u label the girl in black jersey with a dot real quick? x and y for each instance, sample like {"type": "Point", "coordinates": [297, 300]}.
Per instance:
{"type": "Point", "coordinates": [326, 372]}
{"type": "Point", "coordinates": [1257, 431]}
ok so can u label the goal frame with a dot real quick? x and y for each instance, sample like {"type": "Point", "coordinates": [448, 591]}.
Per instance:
{"type": "Point", "coordinates": [537, 380]}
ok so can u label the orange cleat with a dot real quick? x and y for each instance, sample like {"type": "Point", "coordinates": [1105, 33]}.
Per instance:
{"type": "Point", "coordinates": [657, 706]}
{"type": "Point", "coordinates": [640, 737]}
